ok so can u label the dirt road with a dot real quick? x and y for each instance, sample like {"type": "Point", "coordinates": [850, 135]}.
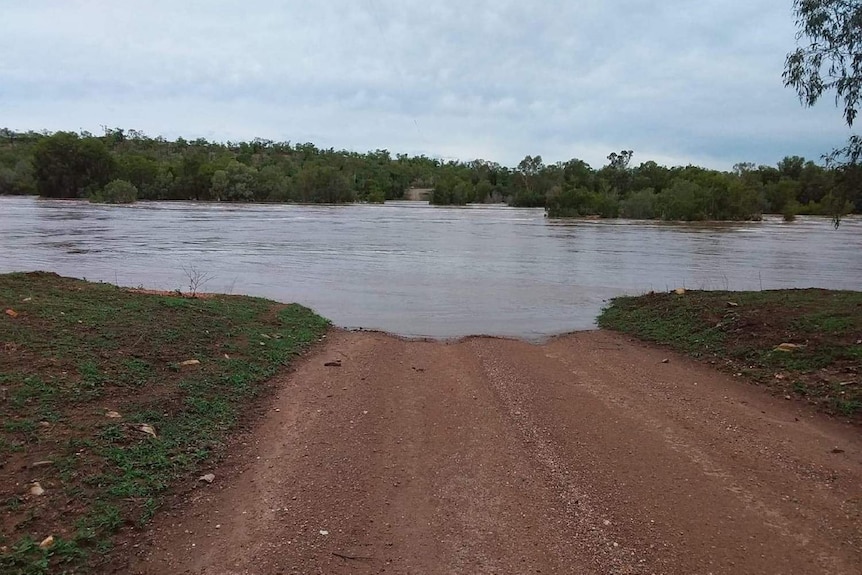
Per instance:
{"type": "Point", "coordinates": [583, 455]}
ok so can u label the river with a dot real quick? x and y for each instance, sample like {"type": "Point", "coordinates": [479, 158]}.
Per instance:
{"type": "Point", "coordinates": [417, 270]}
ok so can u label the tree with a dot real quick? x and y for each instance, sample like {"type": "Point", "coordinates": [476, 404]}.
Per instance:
{"type": "Point", "coordinates": [116, 192]}
{"type": "Point", "coordinates": [832, 57]}
{"type": "Point", "coordinates": [617, 171]}
{"type": "Point", "coordinates": [66, 166]}
{"type": "Point", "coordinates": [830, 60]}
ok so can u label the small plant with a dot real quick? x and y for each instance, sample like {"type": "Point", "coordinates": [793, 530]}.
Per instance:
{"type": "Point", "coordinates": [197, 279]}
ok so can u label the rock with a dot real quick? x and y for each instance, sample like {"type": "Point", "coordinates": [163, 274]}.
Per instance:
{"type": "Point", "coordinates": [679, 291]}
{"type": "Point", "coordinates": [189, 362]}
{"type": "Point", "coordinates": [47, 542]}
{"type": "Point", "coordinates": [665, 360]}
{"type": "Point", "coordinates": [324, 532]}
{"type": "Point", "coordinates": [147, 428]}
{"type": "Point", "coordinates": [787, 397]}
{"type": "Point", "coordinates": [11, 313]}
{"type": "Point", "coordinates": [113, 415]}
{"type": "Point", "coordinates": [208, 478]}
{"type": "Point", "coordinates": [26, 299]}
{"type": "Point", "coordinates": [36, 489]}
{"type": "Point", "coordinates": [837, 450]}
{"type": "Point", "coordinates": [336, 363]}
{"type": "Point", "coordinates": [732, 304]}
{"type": "Point", "coordinates": [787, 347]}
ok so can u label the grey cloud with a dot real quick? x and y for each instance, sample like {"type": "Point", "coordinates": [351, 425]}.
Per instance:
{"type": "Point", "coordinates": [677, 81]}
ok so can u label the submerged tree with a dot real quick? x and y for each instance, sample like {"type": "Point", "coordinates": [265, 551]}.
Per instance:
{"type": "Point", "coordinates": [66, 166]}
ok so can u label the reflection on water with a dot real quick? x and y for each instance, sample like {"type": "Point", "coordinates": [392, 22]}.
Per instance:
{"type": "Point", "coordinates": [418, 270]}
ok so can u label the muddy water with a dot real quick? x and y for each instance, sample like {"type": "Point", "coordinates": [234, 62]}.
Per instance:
{"type": "Point", "coordinates": [417, 270]}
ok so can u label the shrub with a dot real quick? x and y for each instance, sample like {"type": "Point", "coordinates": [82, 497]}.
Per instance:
{"type": "Point", "coordinates": [789, 211]}
{"type": "Point", "coordinates": [639, 205]}
{"type": "Point", "coordinates": [116, 192]}
{"type": "Point", "coordinates": [376, 196]}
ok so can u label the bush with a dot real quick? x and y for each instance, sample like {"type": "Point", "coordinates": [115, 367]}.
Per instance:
{"type": "Point", "coordinates": [376, 196]}
{"type": "Point", "coordinates": [451, 190]}
{"type": "Point", "coordinates": [639, 205]}
{"type": "Point", "coordinates": [116, 192]}
{"type": "Point", "coordinates": [789, 211]}
{"type": "Point", "coordinates": [574, 202]}
{"type": "Point", "coordinates": [683, 200]}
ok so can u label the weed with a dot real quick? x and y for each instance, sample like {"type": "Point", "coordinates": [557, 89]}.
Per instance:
{"type": "Point", "coordinates": [197, 279]}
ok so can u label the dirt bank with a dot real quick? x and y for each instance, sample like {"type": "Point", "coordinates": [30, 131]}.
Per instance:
{"type": "Point", "coordinates": [587, 454]}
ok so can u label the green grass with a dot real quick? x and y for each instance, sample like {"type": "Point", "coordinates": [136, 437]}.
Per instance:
{"type": "Point", "coordinates": [77, 350]}
{"type": "Point", "coordinates": [742, 338]}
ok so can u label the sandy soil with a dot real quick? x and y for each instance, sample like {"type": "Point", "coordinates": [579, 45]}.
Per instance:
{"type": "Point", "coordinates": [583, 455]}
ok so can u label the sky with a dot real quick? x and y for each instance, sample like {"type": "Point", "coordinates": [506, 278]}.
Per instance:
{"type": "Point", "coordinates": [678, 81]}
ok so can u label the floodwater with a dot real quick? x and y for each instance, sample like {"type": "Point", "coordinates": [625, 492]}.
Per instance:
{"type": "Point", "coordinates": [417, 270]}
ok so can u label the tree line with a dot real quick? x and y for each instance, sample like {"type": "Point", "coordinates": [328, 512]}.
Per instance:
{"type": "Point", "coordinates": [127, 165]}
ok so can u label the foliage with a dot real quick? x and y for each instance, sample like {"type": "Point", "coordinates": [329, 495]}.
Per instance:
{"type": "Point", "coordinates": [67, 166]}
{"type": "Point", "coordinates": [640, 205]}
{"type": "Point", "coordinates": [72, 165]}
{"type": "Point", "coordinates": [451, 189]}
{"type": "Point", "coordinates": [116, 192]}
{"type": "Point", "coordinates": [82, 348]}
{"type": "Point", "coordinates": [743, 337]}
{"type": "Point", "coordinates": [832, 58]}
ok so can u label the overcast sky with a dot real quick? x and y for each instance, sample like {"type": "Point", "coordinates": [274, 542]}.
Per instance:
{"type": "Point", "coordinates": [677, 81]}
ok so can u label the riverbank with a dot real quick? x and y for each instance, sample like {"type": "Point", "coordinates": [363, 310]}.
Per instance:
{"type": "Point", "coordinates": [111, 397]}
{"type": "Point", "coordinates": [118, 404]}
{"type": "Point", "coordinates": [803, 344]}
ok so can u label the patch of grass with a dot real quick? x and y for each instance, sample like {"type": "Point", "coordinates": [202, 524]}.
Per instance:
{"type": "Point", "coordinates": [26, 557]}
{"type": "Point", "coordinates": [77, 351]}
{"type": "Point", "coordinates": [741, 332]}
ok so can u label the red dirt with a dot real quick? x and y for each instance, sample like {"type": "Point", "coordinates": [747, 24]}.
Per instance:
{"type": "Point", "coordinates": [583, 455]}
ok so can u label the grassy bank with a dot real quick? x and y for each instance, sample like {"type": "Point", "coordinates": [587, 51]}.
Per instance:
{"type": "Point", "coordinates": [744, 333]}
{"type": "Point", "coordinates": [109, 398]}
